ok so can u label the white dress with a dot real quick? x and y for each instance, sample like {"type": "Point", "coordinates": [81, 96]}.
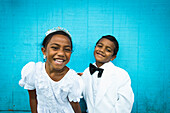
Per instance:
{"type": "Point", "coordinates": [52, 97]}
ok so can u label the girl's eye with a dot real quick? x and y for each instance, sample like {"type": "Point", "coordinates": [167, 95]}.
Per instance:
{"type": "Point", "coordinates": [55, 48]}
{"type": "Point", "coordinates": [68, 50]}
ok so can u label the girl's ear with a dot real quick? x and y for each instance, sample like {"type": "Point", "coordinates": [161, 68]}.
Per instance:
{"type": "Point", "coordinates": [43, 50]}
{"type": "Point", "coordinates": [113, 58]}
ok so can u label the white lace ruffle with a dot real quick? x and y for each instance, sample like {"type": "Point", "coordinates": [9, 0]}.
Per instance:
{"type": "Point", "coordinates": [76, 92]}
{"type": "Point", "coordinates": [27, 76]}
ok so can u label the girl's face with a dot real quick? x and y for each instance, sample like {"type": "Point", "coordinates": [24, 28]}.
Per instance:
{"type": "Point", "coordinates": [104, 52]}
{"type": "Point", "coordinates": [58, 52]}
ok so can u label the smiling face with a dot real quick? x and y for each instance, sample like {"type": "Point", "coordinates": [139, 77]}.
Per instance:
{"type": "Point", "coordinates": [104, 51]}
{"type": "Point", "coordinates": [58, 52]}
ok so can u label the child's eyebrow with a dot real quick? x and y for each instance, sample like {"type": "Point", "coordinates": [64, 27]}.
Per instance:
{"type": "Point", "coordinates": [109, 47]}
{"type": "Point", "coordinates": [100, 43]}
{"type": "Point", "coordinates": [59, 45]}
{"type": "Point", "coordinates": [68, 46]}
{"type": "Point", "coordinates": [55, 44]}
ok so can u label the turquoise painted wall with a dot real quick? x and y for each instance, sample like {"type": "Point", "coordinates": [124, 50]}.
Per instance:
{"type": "Point", "coordinates": [142, 28]}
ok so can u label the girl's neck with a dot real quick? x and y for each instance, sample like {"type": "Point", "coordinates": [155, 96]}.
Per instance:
{"type": "Point", "coordinates": [54, 74]}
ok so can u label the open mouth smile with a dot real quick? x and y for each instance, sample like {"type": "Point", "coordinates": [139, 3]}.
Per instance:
{"type": "Point", "coordinates": [59, 61]}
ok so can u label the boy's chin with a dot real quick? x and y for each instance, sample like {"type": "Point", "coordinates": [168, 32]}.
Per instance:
{"type": "Point", "coordinates": [101, 62]}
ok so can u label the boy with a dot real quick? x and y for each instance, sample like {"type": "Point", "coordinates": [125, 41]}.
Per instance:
{"type": "Point", "coordinates": [107, 87]}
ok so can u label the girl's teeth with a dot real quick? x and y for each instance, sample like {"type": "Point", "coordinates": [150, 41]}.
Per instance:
{"type": "Point", "coordinates": [58, 61]}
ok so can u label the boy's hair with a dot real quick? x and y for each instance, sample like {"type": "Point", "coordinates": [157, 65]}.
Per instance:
{"type": "Point", "coordinates": [49, 36]}
{"type": "Point", "coordinates": [113, 39]}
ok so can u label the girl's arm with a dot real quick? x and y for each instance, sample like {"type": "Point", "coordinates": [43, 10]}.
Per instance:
{"type": "Point", "coordinates": [33, 100]}
{"type": "Point", "coordinates": [76, 107]}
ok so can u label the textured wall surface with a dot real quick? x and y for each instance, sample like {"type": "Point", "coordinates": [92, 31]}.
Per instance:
{"type": "Point", "coordinates": [142, 28]}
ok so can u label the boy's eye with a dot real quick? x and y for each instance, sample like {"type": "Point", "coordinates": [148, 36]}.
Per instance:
{"type": "Point", "coordinates": [109, 50]}
{"type": "Point", "coordinates": [99, 45]}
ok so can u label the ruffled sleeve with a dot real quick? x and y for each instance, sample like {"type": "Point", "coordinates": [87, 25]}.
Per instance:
{"type": "Point", "coordinates": [28, 76]}
{"type": "Point", "coordinates": [76, 91]}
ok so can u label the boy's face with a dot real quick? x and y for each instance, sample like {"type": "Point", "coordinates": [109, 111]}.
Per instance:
{"type": "Point", "coordinates": [104, 52]}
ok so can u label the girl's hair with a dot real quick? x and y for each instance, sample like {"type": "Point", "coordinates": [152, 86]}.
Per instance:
{"type": "Point", "coordinates": [49, 36]}
{"type": "Point", "coordinates": [113, 39]}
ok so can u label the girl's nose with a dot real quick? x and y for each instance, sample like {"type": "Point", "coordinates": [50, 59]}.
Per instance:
{"type": "Point", "coordinates": [60, 52]}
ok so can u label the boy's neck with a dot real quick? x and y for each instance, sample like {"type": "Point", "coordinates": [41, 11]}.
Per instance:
{"type": "Point", "coordinates": [99, 64]}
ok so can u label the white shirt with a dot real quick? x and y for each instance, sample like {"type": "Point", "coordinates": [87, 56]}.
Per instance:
{"type": "Point", "coordinates": [52, 97]}
{"type": "Point", "coordinates": [96, 83]}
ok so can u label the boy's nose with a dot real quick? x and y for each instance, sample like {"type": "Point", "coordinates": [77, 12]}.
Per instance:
{"type": "Point", "coordinates": [102, 49]}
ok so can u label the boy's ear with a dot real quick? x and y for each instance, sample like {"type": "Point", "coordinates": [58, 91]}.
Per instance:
{"type": "Point", "coordinates": [113, 58]}
{"type": "Point", "coordinates": [43, 50]}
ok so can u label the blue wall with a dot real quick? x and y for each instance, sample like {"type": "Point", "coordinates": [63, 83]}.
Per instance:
{"type": "Point", "coordinates": [142, 28]}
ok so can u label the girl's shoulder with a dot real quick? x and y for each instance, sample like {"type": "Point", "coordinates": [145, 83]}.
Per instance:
{"type": "Point", "coordinates": [73, 74]}
{"type": "Point", "coordinates": [73, 78]}
{"type": "Point", "coordinates": [31, 66]}
{"type": "Point", "coordinates": [29, 74]}
{"type": "Point", "coordinates": [28, 68]}
{"type": "Point", "coordinates": [31, 69]}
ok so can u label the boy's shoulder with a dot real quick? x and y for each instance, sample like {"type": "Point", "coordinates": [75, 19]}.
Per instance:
{"type": "Point", "coordinates": [121, 73]}
{"type": "Point", "coordinates": [86, 73]}
{"type": "Point", "coordinates": [116, 68]}
{"type": "Point", "coordinates": [112, 69]}
{"type": "Point", "coordinates": [86, 70]}
{"type": "Point", "coordinates": [119, 69]}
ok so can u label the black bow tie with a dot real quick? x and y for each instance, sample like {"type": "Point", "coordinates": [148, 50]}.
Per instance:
{"type": "Point", "coordinates": [94, 68]}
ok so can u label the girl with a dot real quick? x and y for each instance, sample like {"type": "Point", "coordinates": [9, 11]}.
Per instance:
{"type": "Point", "coordinates": [52, 86]}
